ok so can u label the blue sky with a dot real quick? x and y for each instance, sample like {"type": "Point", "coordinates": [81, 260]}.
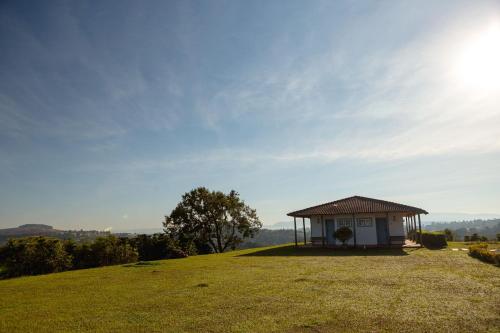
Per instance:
{"type": "Point", "coordinates": [110, 111]}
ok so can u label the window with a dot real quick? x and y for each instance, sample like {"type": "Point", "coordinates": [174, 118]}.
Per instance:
{"type": "Point", "coordinates": [344, 222]}
{"type": "Point", "coordinates": [365, 222]}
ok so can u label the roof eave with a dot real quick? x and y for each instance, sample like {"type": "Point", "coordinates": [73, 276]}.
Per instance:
{"type": "Point", "coordinates": [298, 214]}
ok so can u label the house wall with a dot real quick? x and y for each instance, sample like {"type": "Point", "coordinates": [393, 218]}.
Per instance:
{"type": "Point", "coordinates": [364, 235]}
{"type": "Point", "coordinates": [315, 226]}
{"type": "Point", "coordinates": [396, 225]}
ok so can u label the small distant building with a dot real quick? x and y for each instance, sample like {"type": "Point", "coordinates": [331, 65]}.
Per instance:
{"type": "Point", "coordinates": [374, 222]}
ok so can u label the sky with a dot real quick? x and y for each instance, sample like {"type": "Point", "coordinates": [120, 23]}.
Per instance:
{"type": "Point", "coordinates": [111, 110]}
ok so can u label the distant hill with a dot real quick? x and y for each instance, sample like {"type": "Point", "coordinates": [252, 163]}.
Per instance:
{"type": "Point", "coordinates": [27, 230]}
{"type": "Point", "coordinates": [267, 237]}
{"type": "Point", "coordinates": [448, 217]}
{"type": "Point", "coordinates": [36, 226]}
{"type": "Point", "coordinates": [282, 225]}
{"type": "Point", "coordinates": [146, 231]}
{"type": "Point", "coordinates": [30, 229]}
{"type": "Point", "coordinates": [488, 228]}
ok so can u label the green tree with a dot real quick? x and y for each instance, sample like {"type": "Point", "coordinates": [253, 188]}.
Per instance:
{"type": "Point", "coordinates": [449, 234]}
{"type": "Point", "coordinates": [155, 247]}
{"type": "Point", "coordinates": [498, 237]}
{"type": "Point", "coordinates": [343, 234]}
{"type": "Point", "coordinates": [103, 251]}
{"type": "Point", "coordinates": [34, 255]}
{"type": "Point", "coordinates": [112, 250]}
{"type": "Point", "coordinates": [214, 218]}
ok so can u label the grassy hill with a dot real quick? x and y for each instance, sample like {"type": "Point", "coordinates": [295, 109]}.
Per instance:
{"type": "Point", "coordinates": [276, 289]}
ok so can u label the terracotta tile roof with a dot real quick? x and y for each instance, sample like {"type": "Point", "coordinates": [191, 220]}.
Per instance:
{"type": "Point", "coordinates": [355, 205]}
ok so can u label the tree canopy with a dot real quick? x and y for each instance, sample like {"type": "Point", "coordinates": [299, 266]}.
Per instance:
{"type": "Point", "coordinates": [212, 218]}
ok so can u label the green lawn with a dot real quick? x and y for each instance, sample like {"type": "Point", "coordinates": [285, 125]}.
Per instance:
{"type": "Point", "coordinates": [465, 245]}
{"type": "Point", "coordinates": [278, 289]}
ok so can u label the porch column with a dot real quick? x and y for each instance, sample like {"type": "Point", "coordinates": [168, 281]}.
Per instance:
{"type": "Point", "coordinates": [420, 230]}
{"type": "Point", "coordinates": [409, 226]}
{"type": "Point", "coordinates": [412, 228]}
{"type": "Point", "coordinates": [406, 225]}
{"type": "Point", "coordinates": [295, 229]}
{"type": "Point", "coordinates": [388, 231]}
{"type": "Point", "coordinates": [354, 228]}
{"type": "Point", "coordinates": [408, 221]}
{"type": "Point", "coordinates": [322, 231]}
{"type": "Point", "coordinates": [412, 221]}
{"type": "Point", "coordinates": [311, 230]}
{"type": "Point", "coordinates": [415, 223]}
{"type": "Point", "coordinates": [304, 227]}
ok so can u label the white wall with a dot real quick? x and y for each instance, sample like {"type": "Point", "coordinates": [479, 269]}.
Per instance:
{"type": "Point", "coordinates": [396, 226]}
{"type": "Point", "coordinates": [315, 226]}
{"type": "Point", "coordinates": [364, 235]}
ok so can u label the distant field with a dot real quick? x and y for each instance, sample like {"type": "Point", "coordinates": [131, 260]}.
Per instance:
{"type": "Point", "coordinates": [278, 289]}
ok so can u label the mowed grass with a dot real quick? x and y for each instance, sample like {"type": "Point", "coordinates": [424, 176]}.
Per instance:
{"type": "Point", "coordinates": [277, 289]}
{"type": "Point", "coordinates": [465, 245]}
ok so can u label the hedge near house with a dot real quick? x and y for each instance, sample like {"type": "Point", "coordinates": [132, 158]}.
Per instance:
{"type": "Point", "coordinates": [434, 240]}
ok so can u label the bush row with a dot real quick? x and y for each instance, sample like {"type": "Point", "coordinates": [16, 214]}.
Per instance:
{"type": "Point", "coordinates": [41, 255]}
{"type": "Point", "coordinates": [433, 240]}
{"type": "Point", "coordinates": [480, 251]}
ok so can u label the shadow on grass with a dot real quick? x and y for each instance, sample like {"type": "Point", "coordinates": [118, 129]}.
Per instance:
{"type": "Point", "coordinates": [300, 251]}
{"type": "Point", "coordinates": [141, 264]}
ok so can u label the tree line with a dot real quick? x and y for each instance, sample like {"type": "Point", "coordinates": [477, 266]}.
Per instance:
{"type": "Point", "coordinates": [203, 222]}
{"type": "Point", "coordinates": [42, 255]}
{"type": "Point", "coordinates": [452, 235]}
{"type": "Point", "coordinates": [465, 230]}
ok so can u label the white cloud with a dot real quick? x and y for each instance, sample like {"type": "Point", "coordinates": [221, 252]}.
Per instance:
{"type": "Point", "coordinates": [394, 103]}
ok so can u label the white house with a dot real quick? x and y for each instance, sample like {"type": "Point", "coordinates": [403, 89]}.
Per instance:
{"type": "Point", "coordinates": [374, 222]}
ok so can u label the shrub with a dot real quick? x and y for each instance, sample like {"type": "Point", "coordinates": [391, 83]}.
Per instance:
{"type": "Point", "coordinates": [480, 251]}
{"type": "Point", "coordinates": [479, 246]}
{"type": "Point", "coordinates": [343, 234]}
{"type": "Point", "coordinates": [33, 256]}
{"type": "Point", "coordinates": [466, 238]}
{"type": "Point", "coordinates": [155, 247]}
{"type": "Point", "coordinates": [449, 234]}
{"type": "Point", "coordinates": [434, 240]}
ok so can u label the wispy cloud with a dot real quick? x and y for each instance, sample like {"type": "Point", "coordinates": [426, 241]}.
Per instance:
{"type": "Point", "coordinates": [396, 103]}
{"type": "Point", "coordinates": [74, 89]}
{"type": "Point", "coordinates": [137, 102]}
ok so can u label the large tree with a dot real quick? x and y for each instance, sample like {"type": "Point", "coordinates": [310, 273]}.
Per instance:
{"type": "Point", "coordinates": [211, 217]}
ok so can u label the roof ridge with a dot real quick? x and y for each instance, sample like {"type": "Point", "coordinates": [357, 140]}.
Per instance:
{"type": "Point", "coordinates": [362, 199]}
{"type": "Point", "coordinates": [324, 204]}
{"type": "Point", "coordinates": [386, 201]}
